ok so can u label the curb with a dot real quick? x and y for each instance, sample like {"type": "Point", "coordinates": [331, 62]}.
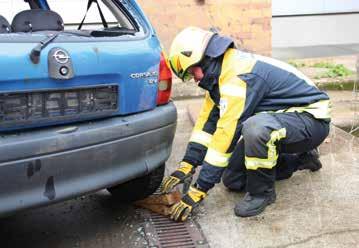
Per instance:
{"type": "Point", "coordinates": [347, 84]}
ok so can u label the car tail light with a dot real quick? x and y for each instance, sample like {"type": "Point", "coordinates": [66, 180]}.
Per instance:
{"type": "Point", "coordinates": [164, 82]}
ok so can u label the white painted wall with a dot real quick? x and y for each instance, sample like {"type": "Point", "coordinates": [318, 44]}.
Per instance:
{"type": "Point", "coordinates": [315, 30]}
{"type": "Point", "coordinates": [298, 7]}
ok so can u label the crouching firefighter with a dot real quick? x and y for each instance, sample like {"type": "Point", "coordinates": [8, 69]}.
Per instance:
{"type": "Point", "coordinates": [261, 120]}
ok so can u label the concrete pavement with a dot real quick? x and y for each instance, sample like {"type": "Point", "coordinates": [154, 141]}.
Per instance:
{"type": "Point", "coordinates": [312, 209]}
{"type": "Point", "coordinates": [94, 221]}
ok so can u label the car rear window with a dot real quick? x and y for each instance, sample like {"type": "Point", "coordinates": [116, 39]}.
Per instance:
{"type": "Point", "coordinates": [9, 9]}
{"type": "Point", "coordinates": [72, 12]}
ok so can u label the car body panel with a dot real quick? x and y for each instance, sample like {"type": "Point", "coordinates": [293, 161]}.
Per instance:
{"type": "Point", "coordinates": [55, 165]}
{"type": "Point", "coordinates": [94, 64]}
{"type": "Point", "coordinates": [43, 162]}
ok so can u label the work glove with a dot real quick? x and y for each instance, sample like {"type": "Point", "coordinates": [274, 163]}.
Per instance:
{"type": "Point", "coordinates": [185, 171]}
{"type": "Point", "coordinates": [181, 210]}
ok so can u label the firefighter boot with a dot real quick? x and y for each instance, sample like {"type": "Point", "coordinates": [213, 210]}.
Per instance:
{"type": "Point", "coordinates": [310, 161]}
{"type": "Point", "coordinates": [252, 205]}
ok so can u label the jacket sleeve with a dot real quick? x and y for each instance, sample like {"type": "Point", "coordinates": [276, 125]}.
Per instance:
{"type": "Point", "coordinates": [232, 103]}
{"type": "Point", "coordinates": [202, 132]}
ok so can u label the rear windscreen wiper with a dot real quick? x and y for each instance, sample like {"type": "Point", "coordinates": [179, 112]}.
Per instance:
{"type": "Point", "coordinates": [36, 51]}
{"type": "Point", "coordinates": [109, 32]}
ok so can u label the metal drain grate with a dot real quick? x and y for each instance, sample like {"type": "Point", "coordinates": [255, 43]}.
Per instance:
{"type": "Point", "coordinates": [162, 232]}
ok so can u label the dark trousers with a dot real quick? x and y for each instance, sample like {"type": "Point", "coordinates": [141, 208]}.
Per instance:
{"type": "Point", "coordinates": [271, 148]}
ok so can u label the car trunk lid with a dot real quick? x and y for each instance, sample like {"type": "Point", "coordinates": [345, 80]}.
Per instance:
{"type": "Point", "coordinates": [109, 78]}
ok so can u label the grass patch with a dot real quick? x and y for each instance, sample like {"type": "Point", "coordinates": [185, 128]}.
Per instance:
{"type": "Point", "coordinates": [324, 65]}
{"type": "Point", "coordinates": [334, 71]}
{"type": "Point", "coordinates": [297, 64]}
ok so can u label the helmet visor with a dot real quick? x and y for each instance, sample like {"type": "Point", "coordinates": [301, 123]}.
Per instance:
{"type": "Point", "coordinates": [184, 75]}
{"type": "Point", "coordinates": [187, 76]}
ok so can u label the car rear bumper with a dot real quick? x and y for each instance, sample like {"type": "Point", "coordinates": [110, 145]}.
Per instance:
{"type": "Point", "coordinates": [44, 166]}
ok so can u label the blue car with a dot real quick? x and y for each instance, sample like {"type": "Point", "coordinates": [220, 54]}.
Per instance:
{"type": "Point", "coordinates": [84, 105]}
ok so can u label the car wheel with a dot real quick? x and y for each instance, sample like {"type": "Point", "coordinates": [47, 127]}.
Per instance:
{"type": "Point", "coordinates": [139, 188]}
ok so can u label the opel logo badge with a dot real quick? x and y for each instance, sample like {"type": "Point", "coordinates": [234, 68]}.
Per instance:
{"type": "Point", "coordinates": [61, 56]}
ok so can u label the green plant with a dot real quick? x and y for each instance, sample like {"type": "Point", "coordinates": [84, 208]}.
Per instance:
{"type": "Point", "coordinates": [324, 65]}
{"type": "Point", "coordinates": [338, 71]}
{"type": "Point", "coordinates": [333, 70]}
{"type": "Point", "coordinates": [296, 64]}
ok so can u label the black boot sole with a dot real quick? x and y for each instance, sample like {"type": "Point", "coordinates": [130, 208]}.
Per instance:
{"type": "Point", "coordinates": [257, 211]}
{"type": "Point", "coordinates": [315, 166]}
{"type": "Point", "coordinates": [318, 166]}
{"type": "Point", "coordinates": [312, 162]}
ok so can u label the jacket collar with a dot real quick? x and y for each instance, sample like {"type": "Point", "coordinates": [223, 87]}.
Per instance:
{"type": "Point", "coordinates": [212, 70]}
{"type": "Point", "coordinates": [212, 63]}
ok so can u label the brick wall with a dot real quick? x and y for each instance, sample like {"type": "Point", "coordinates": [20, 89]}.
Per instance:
{"type": "Point", "coordinates": [247, 21]}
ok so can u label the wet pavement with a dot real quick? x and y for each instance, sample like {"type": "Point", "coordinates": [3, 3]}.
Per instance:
{"type": "Point", "coordinates": [312, 210]}
{"type": "Point", "coordinates": [91, 221]}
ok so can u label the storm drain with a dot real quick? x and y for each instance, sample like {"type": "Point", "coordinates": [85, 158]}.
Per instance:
{"type": "Point", "coordinates": [161, 232]}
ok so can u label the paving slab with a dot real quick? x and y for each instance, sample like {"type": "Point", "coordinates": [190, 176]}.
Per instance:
{"type": "Point", "coordinates": [312, 209]}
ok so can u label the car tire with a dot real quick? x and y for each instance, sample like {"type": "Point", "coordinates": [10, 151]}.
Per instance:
{"type": "Point", "coordinates": [139, 188]}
